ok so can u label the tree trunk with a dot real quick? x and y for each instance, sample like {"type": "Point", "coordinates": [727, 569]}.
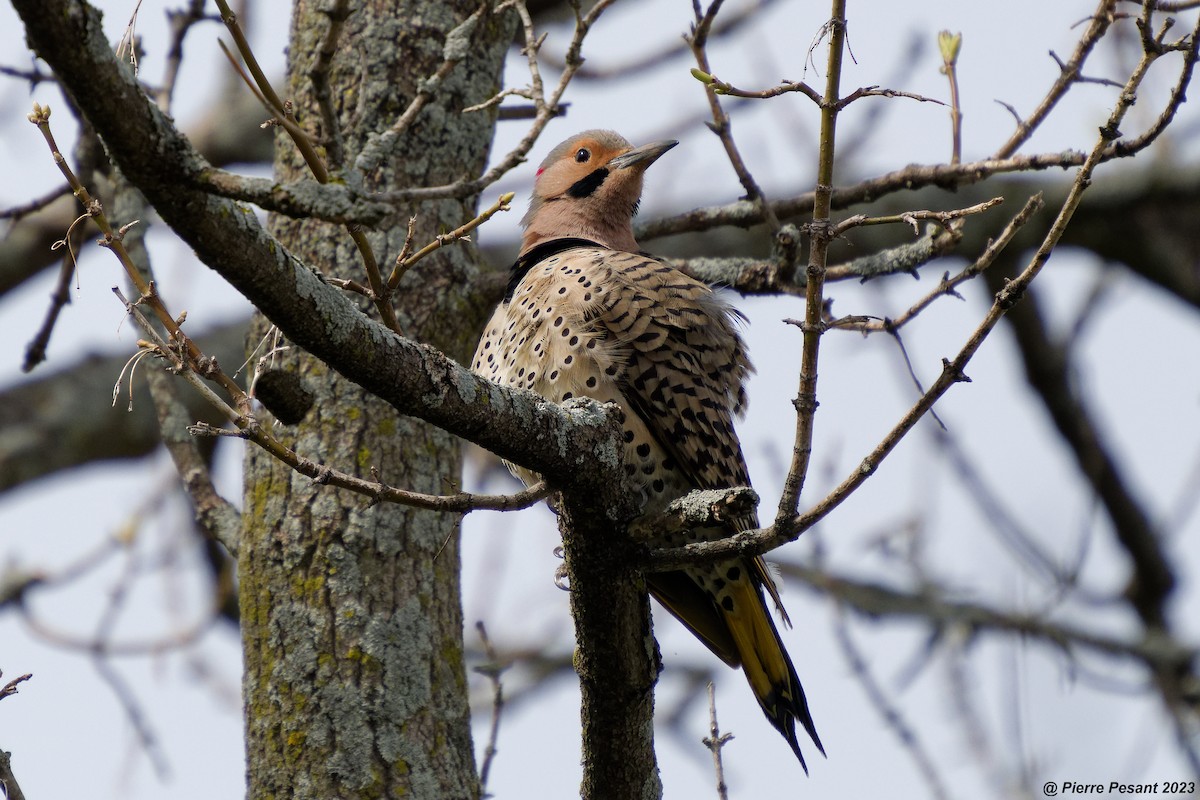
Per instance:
{"type": "Point", "coordinates": [351, 616]}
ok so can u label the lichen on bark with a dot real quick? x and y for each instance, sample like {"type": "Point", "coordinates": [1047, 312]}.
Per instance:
{"type": "Point", "coordinates": [351, 617]}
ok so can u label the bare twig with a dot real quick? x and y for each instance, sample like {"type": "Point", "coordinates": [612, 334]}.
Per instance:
{"type": "Point", "coordinates": [304, 144]}
{"type": "Point", "coordinates": [721, 125]}
{"type": "Point", "coordinates": [1069, 73]}
{"type": "Point", "coordinates": [814, 305]}
{"type": "Point", "coordinates": [180, 22]}
{"type": "Point", "coordinates": [743, 214]}
{"type": "Point", "coordinates": [492, 670]}
{"type": "Point", "coordinates": [35, 351]}
{"type": "Point", "coordinates": [404, 261]}
{"type": "Point", "coordinates": [319, 75]}
{"type": "Point", "coordinates": [875, 91]}
{"type": "Point", "coordinates": [908, 257]}
{"type": "Point", "coordinates": [456, 47]}
{"type": "Point", "coordinates": [112, 240]}
{"type": "Point", "coordinates": [647, 59]}
{"type": "Point", "coordinates": [37, 204]}
{"type": "Point", "coordinates": [217, 517]}
{"type": "Point", "coordinates": [719, 86]}
{"type": "Point", "coordinates": [960, 688]}
{"type": "Point", "coordinates": [876, 601]}
{"type": "Point", "coordinates": [378, 491]}
{"type": "Point", "coordinates": [943, 218]}
{"type": "Point", "coordinates": [12, 686]}
{"type": "Point", "coordinates": [105, 627]}
{"type": "Point", "coordinates": [715, 742]}
{"type": "Point", "coordinates": [949, 285]}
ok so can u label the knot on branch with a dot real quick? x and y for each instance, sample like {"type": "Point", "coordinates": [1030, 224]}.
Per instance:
{"type": "Point", "coordinates": [703, 508]}
{"type": "Point", "coordinates": [954, 371]}
{"type": "Point", "coordinates": [284, 395]}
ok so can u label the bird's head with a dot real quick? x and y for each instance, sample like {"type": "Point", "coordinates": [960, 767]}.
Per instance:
{"type": "Point", "coordinates": [589, 187]}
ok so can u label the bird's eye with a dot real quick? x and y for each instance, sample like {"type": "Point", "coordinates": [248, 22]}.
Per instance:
{"type": "Point", "coordinates": [582, 155]}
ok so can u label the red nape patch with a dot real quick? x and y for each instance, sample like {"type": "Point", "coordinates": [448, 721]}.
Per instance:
{"type": "Point", "coordinates": [539, 172]}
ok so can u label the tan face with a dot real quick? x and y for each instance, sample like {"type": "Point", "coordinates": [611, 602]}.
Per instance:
{"type": "Point", "coordinates": [588, 187]}
{"type": "Point", "coordinates": [578, 169]}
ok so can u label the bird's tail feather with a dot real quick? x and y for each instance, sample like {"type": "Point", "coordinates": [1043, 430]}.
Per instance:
{"type": "Point", "coordinates": [768, 667]}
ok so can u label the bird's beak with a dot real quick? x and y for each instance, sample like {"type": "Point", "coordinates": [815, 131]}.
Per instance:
{"type": "Point", "coordinates": [642, 156]}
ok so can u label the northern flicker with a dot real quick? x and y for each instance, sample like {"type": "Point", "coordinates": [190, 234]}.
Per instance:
{"type": "Point", "coordinates": [587, 314]}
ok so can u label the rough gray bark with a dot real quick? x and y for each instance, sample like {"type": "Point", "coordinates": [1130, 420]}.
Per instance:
{"type": "Point", "coordinates": [351, 618]}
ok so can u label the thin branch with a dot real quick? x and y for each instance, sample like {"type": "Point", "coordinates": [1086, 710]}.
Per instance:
{"type": "Point", "coordinates": [960, 687]}
{"type": "Point", "coordinates": [721, 125]}
{"type": "Point", "coordinates": [949, 285]}
{"type": "Point", "coordinates": [715, 742]}
{"type": "Point", "coordinates": [404, 262]}
{"type": "Point", "coordinates": [456, 47]}
{"type": "Point", "coordinates": [1049, 375]}
{"type": "Point", "coordinates": [112, 240]}
{"type": "Point", "coordinates": [105, 627]}
{"type": "Point", "coordinates": [180, 23]}
{"type": "Point", "coordinates": [376, 490]}
{"type": "Point", "coordinates": [217, 517]}
{"type": "Point", "coordinates": [37, 204]}
{"type": "Point", "coordinates": [1068, 74]}
{"type": "Point", "coordinates": [33, 75]}
{"type": "Point", "coordinates": [35, 351]}
{"type": "Point", "coordinates": [335, 146]}
{"type": "Point", "coordinates": [1190, 46]}
{"type": "Point", "coordinates": [719, 86]}
{"type": "Point", "coordinates": [943, 218]}
{"type": "Point", "coordinates": [127, 699]}
{"type": "Point", "coordinates": [647, 59]}
{"type": "Point", "coordinates": [14, 685]}
{"type": "Point", "coordinates": [132, 647]}
{"type": "Point", "coordinates": [879, 602]}
{"type": "Point", "coordinates": [743, 214]}
{"type": "Point", "coordinates": [304, 144]}
{"type": "Point", "coordinates": [908, 257]}
{"type": "Point", "coordinates": [492, 670]}
{"type": "Point", "coordinates": [814, 306]}
{"type": "Point", "coordinates": [249, 428]}
{"type": "Point", "coordinates": [258, 84]}
{"type": "Point", "coordinates": [875, 91]}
